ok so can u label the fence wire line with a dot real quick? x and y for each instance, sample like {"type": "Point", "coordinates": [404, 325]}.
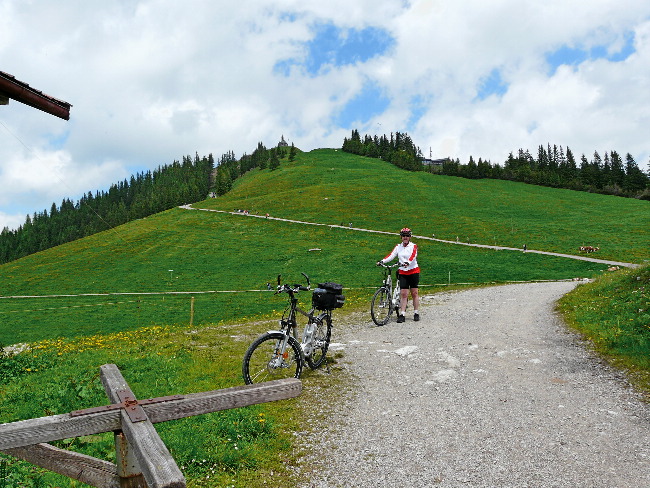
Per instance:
{"type": "Point", "coordinates": [207, 292]}
{"type": "Point", "coordinates": [180, 293]}
{"type": "Point", "coordinates": [68, 307]}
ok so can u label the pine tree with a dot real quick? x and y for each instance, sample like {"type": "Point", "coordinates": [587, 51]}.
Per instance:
{"type": "Point", "coordinates": [617, 170]}
{"type": "Point", "coordinates": [274, 162]}
{"type": "Point", "coordinates": [472, 169]}
{"type": "Point", "coordinates": [542, 158]}
{"type": "Point", "coordinates": [635, 180]}
{"type": "Point", "coordinates": [571, 164]}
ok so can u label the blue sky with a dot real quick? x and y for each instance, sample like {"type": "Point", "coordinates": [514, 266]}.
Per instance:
{"type": "Point", "coordinates": [568, 55]}
{"type": "Point", "coordinates": [334, 47]}
{"type": "Point", "coordinates": [153, 80]}
{"type": "Point", "coordinates": [492, 84]}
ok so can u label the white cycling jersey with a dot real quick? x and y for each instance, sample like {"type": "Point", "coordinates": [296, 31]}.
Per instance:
{"type": "Point", "coordinates": [405, 254]}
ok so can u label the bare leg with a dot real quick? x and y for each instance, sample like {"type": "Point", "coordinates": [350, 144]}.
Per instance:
{"type": "Point", "coordinates": [416, 298]}
{"type": "Point", "coordinates": [404, 296]}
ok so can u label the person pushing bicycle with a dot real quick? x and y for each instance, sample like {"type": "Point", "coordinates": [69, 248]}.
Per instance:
{"type": "Point", "coordinates": [406, 253]}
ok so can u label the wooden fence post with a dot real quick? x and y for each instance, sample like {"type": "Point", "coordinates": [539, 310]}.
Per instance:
{"type": "Point", "coordinates": [153, 458]}
{"type": "Point", "coordinates": [128, 469]}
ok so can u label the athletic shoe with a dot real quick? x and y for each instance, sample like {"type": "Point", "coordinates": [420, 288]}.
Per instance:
{"type": "Point", "coordinates": [416, 317]}
{"type": "Point", "coordinates": [401, 319]}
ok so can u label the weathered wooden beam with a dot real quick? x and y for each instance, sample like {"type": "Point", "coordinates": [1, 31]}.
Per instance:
{"type": "Point", "coordinates": [154, 459]}
{"type": "Point", "coordinates": [217, 400]}
{"type": "Point", "coordinates": [87, 469]}
{"type": "Point", "coordinates": [57, 427]}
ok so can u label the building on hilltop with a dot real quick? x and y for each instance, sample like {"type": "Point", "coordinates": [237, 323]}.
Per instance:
{"type": "Point", "coordinates": [282, 142]}
{"type": "Point", "coordinates": [433, 162]}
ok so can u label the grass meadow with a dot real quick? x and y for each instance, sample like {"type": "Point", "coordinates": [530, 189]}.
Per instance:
{"type": "Point", "coordinates": [175, 299]}
{"type": "Point", "coordinates": [614, 314]}
{"type": "Point", "coordinates": [149, 272]}
{"type": "Point", "coordinates": [333, 187]}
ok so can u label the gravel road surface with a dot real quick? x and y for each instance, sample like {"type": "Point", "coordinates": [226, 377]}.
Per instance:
{"type": "Point", "coordinates": [489, 389]}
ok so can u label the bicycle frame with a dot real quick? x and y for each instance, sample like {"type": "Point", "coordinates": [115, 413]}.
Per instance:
{"type": "Point", "coordinates": [278, 352]}
{"type": "Point", "coordinates": [289, 323]}
{"type": "Point", "coordinates": [386, 297]}
{"type": "Point", "coordinates": [388, 283]}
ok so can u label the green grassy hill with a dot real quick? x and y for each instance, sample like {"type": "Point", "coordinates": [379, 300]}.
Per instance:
{"type": "Point", "coordinates": [333, 187]}
{"type": "Point", "coordinates": [143, 273]}
{"type": "Point", "coordinates": [129, 295]}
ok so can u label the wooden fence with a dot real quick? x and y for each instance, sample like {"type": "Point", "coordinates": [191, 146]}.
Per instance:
{"type": "Point", "coordinates": [142, 459]}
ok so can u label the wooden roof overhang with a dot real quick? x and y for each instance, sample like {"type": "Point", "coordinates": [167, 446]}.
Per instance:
{"type": "Point", "coordinates": [11, 88]}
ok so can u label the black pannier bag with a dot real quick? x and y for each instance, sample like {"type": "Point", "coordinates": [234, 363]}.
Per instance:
{"type": "Point", "coordinates": [328, 296]}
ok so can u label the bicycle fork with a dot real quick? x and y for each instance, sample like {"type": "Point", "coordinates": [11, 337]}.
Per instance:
{"type": "Point", "coordinates": [279, 359]}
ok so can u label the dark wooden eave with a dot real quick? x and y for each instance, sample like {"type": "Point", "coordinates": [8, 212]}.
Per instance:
{"type": "Point", "coordinates": [11, 88]}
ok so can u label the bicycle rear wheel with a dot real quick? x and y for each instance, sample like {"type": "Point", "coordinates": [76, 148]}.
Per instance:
{"type": "Point", "coordinates": [321, 341]}
{"type": "Point", "coordinates": [265, 360]}
{"type": "Point", "coordinates": [381, 306]}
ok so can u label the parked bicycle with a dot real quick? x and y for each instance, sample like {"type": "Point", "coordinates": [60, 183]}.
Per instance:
{"type": "Point", "coordinates": [278, 353]}
{"type": "Point", "coordinates": [386, 299]}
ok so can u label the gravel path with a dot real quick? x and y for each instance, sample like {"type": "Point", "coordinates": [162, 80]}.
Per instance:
{"type": "Point", "coordinates": [534, 251]}
{"type": "Point", "coordinates": [489, 389]}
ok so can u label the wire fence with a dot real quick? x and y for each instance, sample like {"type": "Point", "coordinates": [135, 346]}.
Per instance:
{"type": "Point", "coordinates": [30, 318]}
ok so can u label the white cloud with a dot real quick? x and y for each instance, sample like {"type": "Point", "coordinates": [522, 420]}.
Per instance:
{"type": "Point", "coordinates": [153, 80]}
{"type": "Point", "coordinates": [53, 175]}
{"type": "Point", "coordinates": [455, 45]}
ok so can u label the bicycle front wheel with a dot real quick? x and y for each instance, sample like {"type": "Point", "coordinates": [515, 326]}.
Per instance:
{"type": "Point", "coordinates": [321, 341]}
{"type": "Point", "coordinates": [381, 306]}
{"type": "Point", "coordinates": [268, 358]}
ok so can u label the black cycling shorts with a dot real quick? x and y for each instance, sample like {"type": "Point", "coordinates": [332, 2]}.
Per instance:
{"type": "Point", "coordinates": [409, 281]}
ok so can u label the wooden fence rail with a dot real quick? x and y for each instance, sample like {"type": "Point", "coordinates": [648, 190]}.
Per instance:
{"type": "Point", "coordinates": [143, 460]}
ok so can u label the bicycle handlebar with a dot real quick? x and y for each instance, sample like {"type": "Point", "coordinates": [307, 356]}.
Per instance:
{"type": "Point", "coordinates": [295, 288]}
{"type": "Point", "coordinates": [292, 288]}
{"type": "Point", "coordinates": [389, 266]}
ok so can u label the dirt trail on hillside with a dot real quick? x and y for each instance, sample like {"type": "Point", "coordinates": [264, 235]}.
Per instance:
{"type": "Point", "coordinates": [460, 243]}
{"type": "Point", "coordinates": [489, 389]}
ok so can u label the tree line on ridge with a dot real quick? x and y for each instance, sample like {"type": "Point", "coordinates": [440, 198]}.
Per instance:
{"type": "Point", "coordinates": [554, 166]}
{"type": "Point", "coordinates": [142, 195]}
{"type": "Point", "coordinates": [193, 179]}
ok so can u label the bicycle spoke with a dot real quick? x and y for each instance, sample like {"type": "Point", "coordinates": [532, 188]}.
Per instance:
{"type": "Point", "coordinates": [265, 360]}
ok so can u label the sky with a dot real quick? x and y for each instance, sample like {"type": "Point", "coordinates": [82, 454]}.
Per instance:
{"type": "Point", "coordinates": [151, 81]}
